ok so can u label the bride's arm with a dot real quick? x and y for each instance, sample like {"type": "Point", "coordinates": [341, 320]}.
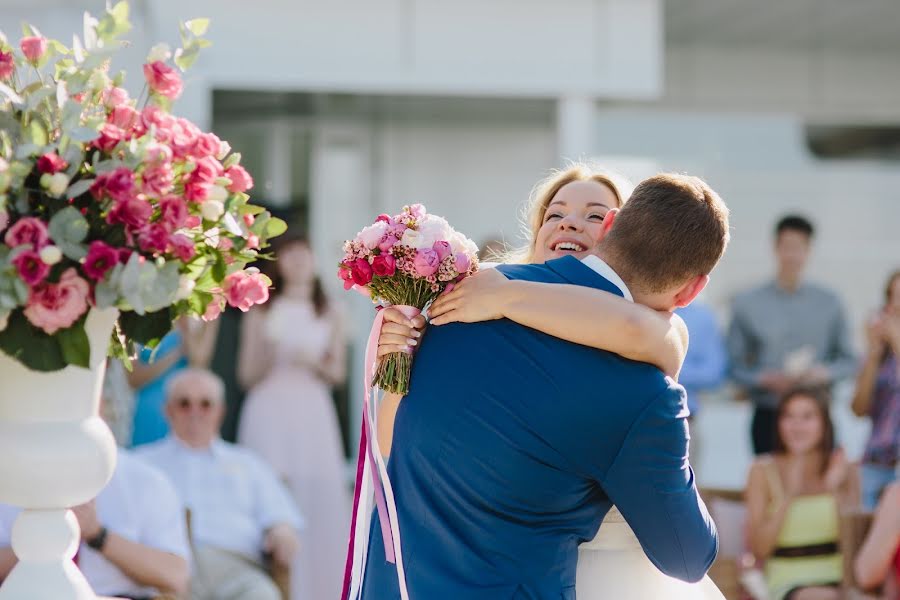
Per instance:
{"type": "Point", "coordinates": [575, 313]}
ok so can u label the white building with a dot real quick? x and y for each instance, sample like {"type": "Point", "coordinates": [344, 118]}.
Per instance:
{"type": "Point", "coordinates": [348, 108]}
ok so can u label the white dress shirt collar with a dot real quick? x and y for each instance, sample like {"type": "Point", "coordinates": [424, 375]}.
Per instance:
{"type": "Point", "coordinates": [606, 271]}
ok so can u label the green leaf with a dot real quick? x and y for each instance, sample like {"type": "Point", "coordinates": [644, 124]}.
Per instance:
{"type": "Point", "coordinates": [26, 30]}
{"type": "Point", "coordinates": [233, 159]}
{"type": "Point", "coordinates": [11, 94]}
{"type": "Point", "coordinates": [219, 268]}
{"type": "Point", "coordinates": [83, 134]}
{"type": "Point", "coordinates": [186, 57]}
{"type": "Point", "coordinates": [37, 133]}
{"type": "Point", "coordinates": [74, 344]}
{"type": "Point", "coordinates": [197, 26]}
{"type": "Point", "coordinates": [148, 287]}
{"type": "Point", "coordinates": [31, 346]}
{"type": "Point", "coordinates": [79, 187]}
{"type": "Point", "coordinates": [146, 329]}
{"type": "Point", "coordinates": [36, 97]}
{"type": "Point", "coordinates": [274, 227]}
{"type": "Point", "coordinates": [251, 209]}
{"type": "Point", "coordinates": [57, 47]}
{"type": "Point", "coordinates": [68, 228]}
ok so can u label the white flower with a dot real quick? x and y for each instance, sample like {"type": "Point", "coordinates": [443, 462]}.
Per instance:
{"type": "Point", "coordinates": [410, 238]}
{"type": "Point", "coordinates": [461, 244]}
{"type": "Point", "coordinates": [217, 193]}
{"type": "Point", "coordinates": [371, 235]}
{"type": "Point", "coordinates": [433, 229]}
{"type": "Point", "coordinates": [59, 183]}
{"type": "Point", "coordinates": [160, 52]}
{"type": "Point", "coordinates": [212, 210]}
{"type": "Point", "coordinates": [185, 288]}
{"type": "Point", "coordinates": [50, 255]}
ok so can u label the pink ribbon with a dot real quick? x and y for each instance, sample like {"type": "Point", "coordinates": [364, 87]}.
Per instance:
{"type": "Point", "coordinates": [369, 459]}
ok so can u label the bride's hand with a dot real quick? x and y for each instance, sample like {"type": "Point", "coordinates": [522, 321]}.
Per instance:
{"type": "Point", "coordinates": [399, 333]}
{"type": "Point", "coordinates": [476, 298]}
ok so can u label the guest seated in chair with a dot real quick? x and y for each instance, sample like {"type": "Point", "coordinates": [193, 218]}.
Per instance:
{"type": "Point", "coordinates": [240, 511]}
{"type": "Point", "coordinates": [133, 539]}
{"type": "Point", "coordinates": [794, 497]}
{"type": "Point", "coordinates": [878, 561]}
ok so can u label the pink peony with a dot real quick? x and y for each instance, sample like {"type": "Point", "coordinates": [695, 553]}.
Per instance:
{"type": "Point", "coordinates": [163, 79]}
{"type": "Point", "coordinates": [443, 249]}
{"type": "Point", "coordinates": [7, 65]}
{"type": "Point", "coordinates": [110, 136]}
{"type": "Point", "coordinates": [462, 263]}
{"type": "Point", "coordinates": [101, 257]}
{"type": "Point", "coordinates": [207, 144]}
{"type": "Point", "coordinates": [158, 179]}
{"type": "Point", "coordinates": [361, 272]}
{"type": "Point", "coordinates": [55, 306]}
{"type": "Point", "coordinates": [31, 268]}
{"type": "Point", "coordinates": [384, 265]}
{"type": "Point", "coordinates": [124, 117]}
{"type": "Point", "coordinates": [240, 179]}
{"type": "Point", "coordinates": [372, 235]}
{"type": "Point", "coordinates": [172, 212]}
{"type": "Point", "coordinates": [133, 212]}
{"type": "Point", "coordinates": [182, 246]}
{"type": "Point", "coordinates": [113, 97]}
{"type": "Point", "coordinates": [214, 309]}
{"type": "Point", "coordinates": [118, 184]}
{"type": "Point", "coordinates": [51, 163]}
{"type": "Point", "coordinates": [426, 262]}
{"type": "Point", "coordinates": [27, 230]}
{"type": "Point", "coordinates": [243, 289]}
{"type": "Point", "coordinates": [153, 238]}
{"type": "Point", "coordinates": [344, 272]}
{"type": "Point", "coordinates": [385, 218]}
{"type": "Point", "coordinates": [34, 48]}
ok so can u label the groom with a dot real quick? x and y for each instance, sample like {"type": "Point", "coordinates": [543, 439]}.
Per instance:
{"type": "Point", "coordinates": [512, 445]}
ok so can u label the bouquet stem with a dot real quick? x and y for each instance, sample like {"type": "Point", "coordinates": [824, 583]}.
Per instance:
{"type": "Point", "coordinates": [393, 371]}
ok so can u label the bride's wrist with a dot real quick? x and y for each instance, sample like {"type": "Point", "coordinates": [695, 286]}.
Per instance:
{"type": "Point", "coordinates": [511, 292]}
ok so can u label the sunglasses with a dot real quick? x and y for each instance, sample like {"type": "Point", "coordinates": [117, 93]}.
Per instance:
{"type": "Point", "coordinates": [186, 404]}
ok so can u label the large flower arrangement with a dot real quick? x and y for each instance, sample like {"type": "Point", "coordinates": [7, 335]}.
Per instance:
{"type": "Point", "coordinates": [108, 201]}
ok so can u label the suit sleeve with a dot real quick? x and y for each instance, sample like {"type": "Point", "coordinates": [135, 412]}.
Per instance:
{"type": "Point", "coordinates": [652, 484]}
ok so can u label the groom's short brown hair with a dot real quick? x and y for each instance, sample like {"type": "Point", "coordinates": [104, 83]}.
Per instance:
{"type": "Point", "coordinates": [672, 228]}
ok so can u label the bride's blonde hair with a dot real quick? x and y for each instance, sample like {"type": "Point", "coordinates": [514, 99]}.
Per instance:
{"type": "Point", "coordinates": [546, 189]}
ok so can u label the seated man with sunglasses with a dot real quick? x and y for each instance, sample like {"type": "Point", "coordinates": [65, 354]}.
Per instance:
{"type": "Point", "coordinates": [240, 511]}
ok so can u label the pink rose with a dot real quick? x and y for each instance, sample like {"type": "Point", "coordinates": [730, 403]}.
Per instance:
{"type": "Point", "coordinates": [214, 309]}
{"type": "Point", "coordinates": [156, 153]}
{"type": "Point", "coordinates": [124, 254]}
{"type": "Point", "coordinates": [118, 184]}
{"type": "Point", "coordinates": [240, 179]}
{"type": "Point", "coordinates": [27, 230]}
{"type": "Point", "coordinates": [7, 65]}
{"type": "Point", "coordinates": [462, 263]}
{"type": "Point", "coordinates": [184, 137]}
{"type": "Point", "coordinates": [158, 179]}
{"type": "Point", "coordinates": [113, 97]}
{"type": "Point", "coordinates": [443, 250]}
{"type": "Point", "coordinates": [154, 116]}
{"type": "Point", "coordinates": [361, 272]}
{"type": "Point", "coordinates": [31, 268]}
{"type": "Point", "coordinates": [426, 262]}
{"type": "Point", "coordinates": [51, 163]}
{"type": "Point", "coordinates": [124, 117]}
{"type": "Point", "coordinates": [207, 144]}
{"type": "Point", "coordinates": [101, 257]}
{"type": "Point", "coordinates": [55, 306]}
{"type": "Point", "coordinates": [153, 238]}
{"type": "Point", "coordinates": [132, 212]}
{"type": "Point", "coordinates": [172, 212]}
{"type": "Point", "coordinates": [243, 289]}
{"type": "Point", "coordinates": [182, 246]}
{"type": "Point", "coordinates": [207, 170]}
{"type": "Point", "coordinates": [384, 265]}
{"type": "Point", "coordinates": [344, 272]}
{"type": "Point", "coordinates": [193, 221]}
{"type": "Point", "coordinates": [110, 136]}
{"type": "Point", "coordinates": [34, 48]}
{"type": "Point", "coordinates": [163, 79]}
{"type": "Point", "coordinates": [196, 191]}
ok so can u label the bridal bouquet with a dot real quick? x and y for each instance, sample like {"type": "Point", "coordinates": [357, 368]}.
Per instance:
{"type": "Point", "coordinates": [108, 201]}
{"type": "Point", "coordinates": [406, 261]}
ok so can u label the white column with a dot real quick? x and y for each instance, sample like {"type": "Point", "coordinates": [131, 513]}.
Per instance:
{"type": "Point", "coordinates": [575, 124]}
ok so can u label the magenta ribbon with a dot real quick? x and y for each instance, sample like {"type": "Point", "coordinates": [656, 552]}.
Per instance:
{"type": "Point", "coordinates": [384, 499]}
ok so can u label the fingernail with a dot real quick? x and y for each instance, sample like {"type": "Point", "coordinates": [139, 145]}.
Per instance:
{"type": "Point", "coordinates": [416, 333]}
{"type": "Point", "coordinates": [411, 341]}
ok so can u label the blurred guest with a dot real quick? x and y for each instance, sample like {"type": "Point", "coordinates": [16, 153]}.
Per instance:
{"type": "Point", "coordinates": [292, 352]}
{"type": "Point", "coordinates": [191, 343]}
{"type": "Point", "coordinates": [878, 561]}
{"type": "Point", "coordinates": [794, 497]}
{"type": "Point", "coordinates": [133, 539]}
{"type": "Point", "coordinates": [240, 511]}
{"type": "Point", "coordinates": [786, 333]}
{"type": "Point", "coordinates": [707, 360]}
{"type": "Point", "coordinates": [877, 395]}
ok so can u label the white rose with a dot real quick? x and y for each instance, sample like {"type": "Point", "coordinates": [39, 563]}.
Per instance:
{"type": "Point", "coordinates": [50, 255]}
{"type": "Point", "coordinates": [410, 238]}
{"type": "Point", "coordinates": [371, 235]}
{"type": "Point", "coordinates": [212, 210]}
{"type": "Point", "coordinates": [217, 193]}
{"type": "Point", "coordinates": [58, 184]}
{"type": "Point", "coordinates": [160, 52]}
{"type": "Point", "coordinates": [185, 288]}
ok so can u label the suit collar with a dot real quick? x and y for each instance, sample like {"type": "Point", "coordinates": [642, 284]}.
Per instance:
{"type": "Point", "coordinates": [596, 275]}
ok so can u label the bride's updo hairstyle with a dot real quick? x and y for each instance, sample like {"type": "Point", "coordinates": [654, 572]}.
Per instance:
{"type": "Point", "coordinates": [546, 189]}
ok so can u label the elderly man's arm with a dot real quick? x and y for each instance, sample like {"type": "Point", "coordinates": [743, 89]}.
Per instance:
{"type": "Point", "coordinates": [7, 561]}
{"type": "Point", "coordinates": [277, 514]}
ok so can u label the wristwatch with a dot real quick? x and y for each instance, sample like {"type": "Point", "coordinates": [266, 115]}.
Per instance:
{"type": "Point", "coordinates": [98, 541]}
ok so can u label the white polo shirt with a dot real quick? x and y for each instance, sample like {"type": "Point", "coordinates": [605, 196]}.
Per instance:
{"type": "Point", "coordinates": [141, 505]}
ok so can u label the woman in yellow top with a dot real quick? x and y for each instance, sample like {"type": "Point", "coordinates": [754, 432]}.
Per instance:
{"type": "Point", "coordinates": [794, 497]}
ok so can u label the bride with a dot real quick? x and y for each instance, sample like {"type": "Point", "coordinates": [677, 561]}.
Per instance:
{"type": "Point", "coordinates": [571, 203]}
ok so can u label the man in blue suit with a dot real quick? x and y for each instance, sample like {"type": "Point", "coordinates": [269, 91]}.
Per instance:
{"type": "Point", "coordinates": [512, 445]}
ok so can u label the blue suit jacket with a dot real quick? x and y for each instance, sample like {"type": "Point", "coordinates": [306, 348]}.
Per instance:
{"type": "Point", "coordinates": [511, 447]}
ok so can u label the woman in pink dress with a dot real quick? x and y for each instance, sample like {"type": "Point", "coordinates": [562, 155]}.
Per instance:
{"type": "Point", "coordinates": [292, 352]}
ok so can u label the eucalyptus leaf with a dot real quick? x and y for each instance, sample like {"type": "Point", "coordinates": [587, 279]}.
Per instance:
{"type": "Point", "coordinates": [106, 292]}
{"type": "Point", "coordinates": [71, 116]}
{"type": "Point", "coordinates": [186, 57]}
{"type": "Point", "coordinates": [148, 287]}
{"type": "Point", "coordinates": [27, 31]}
{"type": "Point", "coordinates": [38, 96]}
{"type": "Point", "coordinates": [62, 96]}
{"type": "Point", "coordinates": [274, 227]}
{"type": "Point", "coordinates": [233, 159]}
{"type": "Point", "coordinates": [37, 133]}
{"type": "Point", "coordinates": [68, 226]}
{"type": "Point", "coordinates": [83, 134]}
{"type": "Point", "coordinates": [79, 187]}
{"type": "Point", "coordinates": [11, 94]}
{"type": "Point", "coordinates": [197, 26]}
{"type": "Point", "coordinates": [25, 150]}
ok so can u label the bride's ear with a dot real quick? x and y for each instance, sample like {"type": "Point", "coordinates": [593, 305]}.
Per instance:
{"type": "Point", "coordinates": [691, 290]}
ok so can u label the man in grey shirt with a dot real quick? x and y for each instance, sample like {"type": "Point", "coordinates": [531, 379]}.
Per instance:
{"type": "Point", "coordinates": [786, 333]}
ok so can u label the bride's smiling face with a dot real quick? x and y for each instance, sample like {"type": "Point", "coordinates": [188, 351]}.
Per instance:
{"type": "Point", "coordinates": [573, 221]}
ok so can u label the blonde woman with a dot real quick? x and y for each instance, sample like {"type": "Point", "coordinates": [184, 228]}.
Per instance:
{"type": "Point", "coordinates": [566, 217]}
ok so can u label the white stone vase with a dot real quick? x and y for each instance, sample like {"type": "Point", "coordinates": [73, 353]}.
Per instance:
{"type": "Point", "coordinates": [55, 452]}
